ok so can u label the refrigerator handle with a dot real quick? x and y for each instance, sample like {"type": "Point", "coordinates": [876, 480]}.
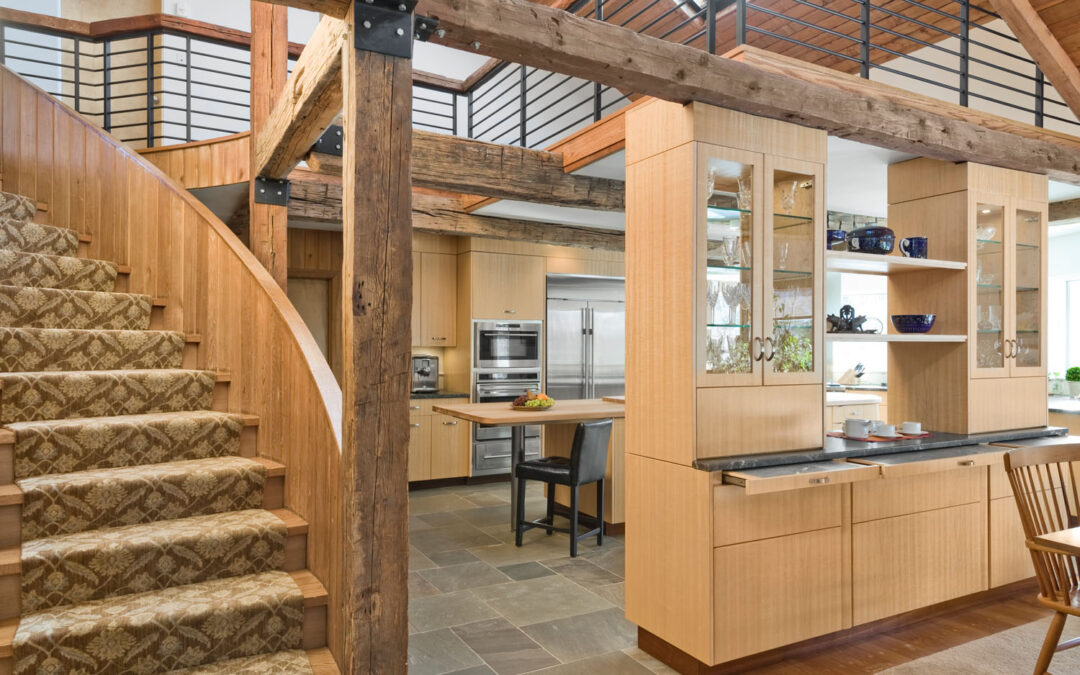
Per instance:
{"type": "Point", "coordinates": [591, 313]}
{"type": "Point", "coordinates": [585, 352]}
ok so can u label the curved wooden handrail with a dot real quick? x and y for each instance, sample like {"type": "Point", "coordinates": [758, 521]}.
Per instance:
{"type": "Point", "coordinates": [218, 161]}
{"type": "Point", "coordinates": [213, 287]}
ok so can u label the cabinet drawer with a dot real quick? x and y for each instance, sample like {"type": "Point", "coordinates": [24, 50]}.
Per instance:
{"type": "Point", "coordinates": [798, 476]}
{"type": "Point", "coordinates": [867, 411]}
{"type": "Point", "coordinates": [922, 462]}
{"type": "Point", "coordinates": [907, 562]}
{"type": "Point", "coordinates": [912, 494]}
{"type": "Point", "coordinates": [776, 592]}
{"type": "Point", "coordinates": [739, 517]}
{"type": "Point", "coordinates": [420, 406]}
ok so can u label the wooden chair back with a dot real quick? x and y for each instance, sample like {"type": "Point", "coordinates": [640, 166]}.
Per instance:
{"type": "Point", "coordinates": [1044, 483]}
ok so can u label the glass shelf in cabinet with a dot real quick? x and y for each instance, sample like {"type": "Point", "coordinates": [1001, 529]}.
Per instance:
{"type": "Point", "coordinates": [988, 241]}
{"type": "Point", "coordinates": [791, 275]}
{"type": "Point", "coordinates": [727, 325]}
{"type": "Point", "coordinates": [1027, 331]}
{"type": "Point", "coordinates": [989, 286]}
{"type": "Point", "coordinates": [1027, 288]}
{"type": "Point", "coordinates": [736, 268]}
{"type": "Point", "coordinates": [724, 214]}
{"type": "Point", "coordinates": [988, 331]}
{"type": "Point", "coordinates": [1027, 246]}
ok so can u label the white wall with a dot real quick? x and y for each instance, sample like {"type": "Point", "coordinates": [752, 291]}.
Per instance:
{"type": "Point", "coordinates": [1063, 266]}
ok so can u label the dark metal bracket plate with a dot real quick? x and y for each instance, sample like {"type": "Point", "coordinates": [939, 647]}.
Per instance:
{"type": "Point", "coordinates": [271, 191]}
{"type": "Point", "coordinates": [385, 26]}
{"type": "Point", "coordinates": [330, 143]}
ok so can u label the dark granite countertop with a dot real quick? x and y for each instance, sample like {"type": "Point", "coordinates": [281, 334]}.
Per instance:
{"type": "Point", "coordinates": [1064, 404]}
{"type": "Point", "coordinates": [438, 394]}
{"type": "Point", "coordinates": [839, 448]}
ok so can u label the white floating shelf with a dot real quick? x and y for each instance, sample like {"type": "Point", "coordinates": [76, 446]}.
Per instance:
{"type": "Point", "coordinates": [868, 263]}
{"type": "Point", "coordinates": [893, 337]}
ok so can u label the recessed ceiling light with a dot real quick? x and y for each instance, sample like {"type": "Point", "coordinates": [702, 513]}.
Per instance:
{"type": "Point", "coordinates": [986, 210]}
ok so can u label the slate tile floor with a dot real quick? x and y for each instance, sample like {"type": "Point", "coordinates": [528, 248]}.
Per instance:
{"type": "Point", "coordinates": [480, 605]}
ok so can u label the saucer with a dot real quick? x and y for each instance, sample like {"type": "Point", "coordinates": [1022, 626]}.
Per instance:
{"type": "Point", "coordinates": [891, 438]}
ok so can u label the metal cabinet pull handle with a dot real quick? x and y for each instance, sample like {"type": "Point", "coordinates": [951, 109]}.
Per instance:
{"type": "Point", "coordinates": [772, 349]}
{"type": "Point", "coordinates": [760, 348]}
{"type": "Point", "coordinates": [415, 425]}
{"type": "Point", "coordinates": [438, 339]}
{"type": "Point", "coordinates": [414, 407]}
{"type": "Point", "coordinates": [449, 424]}
{"type": "Point", "coordinates": [819, 481]}
{"type": "Point", "coordinates": [966, 462]}
{"type": "Point", "coordinates": [510, 311]}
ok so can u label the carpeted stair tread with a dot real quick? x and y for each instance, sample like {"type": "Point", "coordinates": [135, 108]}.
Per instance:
{"type": "Point", "coordinates": [17, 207]}
{"type": "Point", "coordinates": [40, 270]}
{"type": "Point", "coordinates": [163, 630]}
{"type": "Point", "coordinates": [59, 504]}
{"type": "Point", "coordinates": [64, 308]}
{"type": "Point", "coordinates": [291, 662]}
{"type": "Point", "coordinates": [17, 235]}
{"type": "Point", "coordinates": [54, 349]}
{"type": "Point", "coordinates": [85, 443]}
{"type": "Point", "coordinates": [117, 561]}
{"type": "Point", "coordinates": [100, 393]}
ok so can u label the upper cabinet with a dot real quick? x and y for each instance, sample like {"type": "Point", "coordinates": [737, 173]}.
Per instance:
{"type": "Point", "coordinates": [725, 261]}
{"type": "Point", "coordinates": [434, 314]}
{"type": "Point", "coordinates": [507, 286]}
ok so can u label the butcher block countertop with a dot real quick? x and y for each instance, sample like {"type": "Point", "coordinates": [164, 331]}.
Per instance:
{"type": "Point", "coordinates": [563, 411]}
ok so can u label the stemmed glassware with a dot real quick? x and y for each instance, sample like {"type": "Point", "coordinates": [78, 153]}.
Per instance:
{"type": "Point", "coordinates": [782, 249]}
{"type": "Point", "coordinates": [787, 197]}
{"type": "Point", "coordinates": [732, 294]}
{"type": "Point", "coordinates": [745, 193]}
{"type": "Point", "coordinates": [712, 295]}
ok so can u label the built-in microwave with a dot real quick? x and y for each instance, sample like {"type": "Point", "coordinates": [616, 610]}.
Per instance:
{"type": "Point", "coordinates": [507, 344]}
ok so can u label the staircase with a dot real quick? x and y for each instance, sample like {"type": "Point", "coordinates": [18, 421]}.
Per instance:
{"type": "Point", "coordinates": [139, 531]}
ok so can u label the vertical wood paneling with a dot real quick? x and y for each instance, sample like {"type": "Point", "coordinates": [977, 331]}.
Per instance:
{"type": "Point", "coordinates": [213, 287]}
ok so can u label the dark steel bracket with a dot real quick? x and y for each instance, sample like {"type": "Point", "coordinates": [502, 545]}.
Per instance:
{"type": "Point", "coordinates": [424, 27]}
{"type": "Point", "coordinates": [271, 191]}
{"type": "Point", "coordinates": [385, 26]}
{"type": "Point", "coordinates": [330, 143]}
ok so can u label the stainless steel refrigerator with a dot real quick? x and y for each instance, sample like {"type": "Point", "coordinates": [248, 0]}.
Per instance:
{"type": "Point", "coordinates": [586, 336]}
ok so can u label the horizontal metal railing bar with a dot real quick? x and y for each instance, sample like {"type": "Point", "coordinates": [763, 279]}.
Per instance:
{"type": "Point", "coordinates": [558, 116]}
{"type": "Point", "coordinates": [27, 59]}
{"type": "Point", "coordinates": [909, 57]}
{"type": "Point", "coordinates": [496, 111]}
{"type": "Point", "coordinates": [807, 24]}
{"type": "Point", "coordinates": [491, 84]}
{"type": "Point", "coordinates": [695, 36]}
{"type": "Point", "coordinates": [545, 78]}
{"type": "Point", "coordinates": [1018, 57]}
{"type": "Point", "coordinates": [918, 41]}
{"type": "Point", "coordinates": [831, 12]}
{"type": "Point", "coordinates": [1007, 104]}
{"type": "Point", "coordinates": [216, 115]}
{"type": "Point", "coordinates": [543, 141]}
{"type": "Point", "coordinates": [196, 97]}
{"type": "Point", "coordinates": [498, 94]}
{"type": "Point", "coordinates": [243, 62]}
{"type": "Point", "coordinates": [433, 113]}
{"type": "Point", "coordinates": [624, 97]}
{"type": "Point", "coordinates": [762, 31]}
{"type": "Point", "coordinates": [434, 101]}
{"type": "Point", "coordinates": [1000, 85]}
{"type": "Point", "coordinates": [928, 8]}
{"type": "Point", "coordinates": [998, 33]}
{"type": "Point", "coordinates": [636, 14]}
{"type": "Point", "coordinates": [674, 8]}
{"type": "Point", "coordinates": [1003, 69]}
{"type": "Point", "coordinates": [925, 80]}
{"type": "Point", "coordinates": [682, 23]}
{"type": "Point", "coordinates": [513, 113]}
{"type": "Point", "coordinates": [211, 70]}
{"type": "Point", "coordinates": [608, 16]}
{"type": "Point", "coordinates": [928, 26]}
{"type": "Point", "coordinates": [34, 45]}
{"type": "Point", "coordinates": [558, 84]}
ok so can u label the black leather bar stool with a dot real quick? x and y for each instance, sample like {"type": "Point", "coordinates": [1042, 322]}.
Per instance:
{"type": "Point", "coordinates": [587, 464]}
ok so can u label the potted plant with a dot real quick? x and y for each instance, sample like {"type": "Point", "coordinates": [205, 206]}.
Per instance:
{"type": "Point", "coordinates": [1072, 376]}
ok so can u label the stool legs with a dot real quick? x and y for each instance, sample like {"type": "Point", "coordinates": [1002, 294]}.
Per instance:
{"type": "Point", "coordinates": [550, 507]}
{"type": "Point", "coordinates": [520, 508]}
{"type": "Point", "coordinates": [600, 512]}
{"type": "Point", "coordinates": [573, 520]}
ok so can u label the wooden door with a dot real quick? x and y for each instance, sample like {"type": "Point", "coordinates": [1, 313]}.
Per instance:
{"type": "Point", "coordinates": [449, 447]}
{"type": "Point", "coordinates": [438, 290]}
{"type": "Point", "coordinates": [729, 258]}
{"type": "Point", "coordinates": [793, 271]}
{"type": "Point", "coordinates": [507, 286]}
{"type": "Point", "coordinates": [419, 447]}
{"type": "Point", "coordinates": [417, 299]}
{"type": "Point", "coordinates": [987, 272]}
{"type": "Point", "coordinates": [1026, 275]}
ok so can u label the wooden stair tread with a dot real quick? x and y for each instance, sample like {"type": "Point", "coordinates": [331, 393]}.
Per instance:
{"type": "Point", "coordinates": [7, 436]}
{"type": "Point", "coordinates": [294, 524]}
{"type": "Point", "coordinates": [322, 662]}
{"type": "Point", "coordinates": [273, 469]}
{"type": "Point", "coordinates": [249, 420]}
{"type": "Point", "coordinates": [158, 302]}
{"type": "Point", "coordinates": [10, 561]}
{"type": "Point", "coordinates": [123, 269]}
{"type": "Point", "coordinates": [10, 494]}
{"type": "Point", "coordinates": [192, 338]}
{"type": "Point", "coordinates": [314, 592]}
{"type": "Point", "coordinates": [7, 638]}
{"type": "Point", "coordinates": [85, 237]}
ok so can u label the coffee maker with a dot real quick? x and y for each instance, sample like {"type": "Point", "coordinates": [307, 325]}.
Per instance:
{"type": "Point", "coordinates": [425, 373]}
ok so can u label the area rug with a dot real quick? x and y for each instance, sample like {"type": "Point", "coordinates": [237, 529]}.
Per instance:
{"type": "Point", "coordinates": [1011, 652]}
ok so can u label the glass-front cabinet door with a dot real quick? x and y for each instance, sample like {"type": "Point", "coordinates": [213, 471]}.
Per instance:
{"type": "Point", "coordinates": [1027, 342]}
{"type": "Point", "coordinates": [988, 323]}
{"type": "Point", "coordinates": [730, 343]}
{"type": "Point", "coordinates": [794, 254]}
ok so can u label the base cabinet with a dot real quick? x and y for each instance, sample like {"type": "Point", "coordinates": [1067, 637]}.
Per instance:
{"type": "Point", "coordinates": [777, 591]}
{"type": "Point", "coordinates": [912, 561]}
{"type": "Point", "coordinates": [439, 445]}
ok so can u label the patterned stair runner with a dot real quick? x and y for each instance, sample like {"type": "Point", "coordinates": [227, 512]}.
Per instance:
{"type": "Point", "coordinates": [145, 546]}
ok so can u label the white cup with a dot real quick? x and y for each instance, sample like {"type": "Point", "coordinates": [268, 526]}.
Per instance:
{"type": "Point", "coordinates": [856, 428]}
{"type": "Point", "coordinates": [885, 430]}
{"type": "Point", "coordinates": [911, 428]}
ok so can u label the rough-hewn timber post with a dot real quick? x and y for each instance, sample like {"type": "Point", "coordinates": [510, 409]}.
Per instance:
{"type": "Point", "coordinates": [377, 298]}
{"type": "Point", "coordinates": [267, 233]}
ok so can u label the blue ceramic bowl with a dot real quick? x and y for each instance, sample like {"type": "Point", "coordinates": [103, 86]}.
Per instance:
{"type": "Point", "coordinates": [913, 323]}
{"type": "Point", "coordinates": [872, 239]}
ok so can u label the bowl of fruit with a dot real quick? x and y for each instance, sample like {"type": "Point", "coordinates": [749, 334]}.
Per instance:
{"type": "Point", "coordinates": [533, 402]}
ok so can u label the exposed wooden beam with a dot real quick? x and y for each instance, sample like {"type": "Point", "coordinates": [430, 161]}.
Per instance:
{"type": "Point", "coordinates": [267, 224]}
{"type": "Point", "coordinates": [463, 165]}
{"type": "Point", "coordinates": [376, 315]}
{"type": "Point", "coordinates": [312, 98]}
{"type": "Point", "coordinates": [1068, 210]}
{"type": "Point", "coordinates": [319, 200]}
{"type": "Point", "coordinates": [846, 106]}
{"type": "Point", "coordinates": [335, 8]}
{"type": "Point", "coordinates": [1043, 47]}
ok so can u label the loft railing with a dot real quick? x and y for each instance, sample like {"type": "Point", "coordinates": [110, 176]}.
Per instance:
{"type": "Point", "coordinates": [160, 85]}
{"type": "Point", "coordinates": [955, 50]}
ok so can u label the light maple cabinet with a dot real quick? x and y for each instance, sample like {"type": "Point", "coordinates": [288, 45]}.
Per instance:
{"type": "Point", "coordinates": [439, 445]}
{"type": "Point", "coordinates": [434, 312]}
{"type": "Point", "coordinates": [507, 286]}
{"type": "Point", "coordinates": [995, 221]}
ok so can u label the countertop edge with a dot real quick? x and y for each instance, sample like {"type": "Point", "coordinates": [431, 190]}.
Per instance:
{"type": "Point", "coordinates": [436, 394]}
{"type": "Point", "coordinates": [837, 448]}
